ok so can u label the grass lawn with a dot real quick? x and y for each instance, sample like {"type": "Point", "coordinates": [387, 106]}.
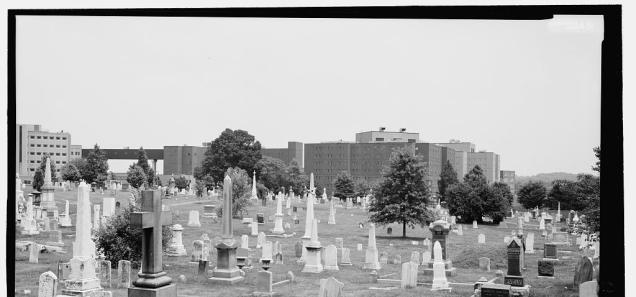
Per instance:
{"type": "Point", "coordinates": [357, 281]}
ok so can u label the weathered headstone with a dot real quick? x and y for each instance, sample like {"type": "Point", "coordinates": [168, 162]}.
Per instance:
{"type": "Point", "coordinates": [330, 288]}
{"type": "Point", "coordinates": [484, 263]}
{"type": "Point", "coordinates": [584, 270]}
{"type": "Point", "coordinates": [123, 274]}
{"type": "Point", "coordinates": [105, 273]}
{"type": "Point", "coordinates": [371, 256]}
{"type": "Point", "coordinates": [197, 251]}
{"type": "Point", "coordinates": [588, 289]}
{"type": "Point", "coordinates": [409, 275]}
{"type": "Point", "coordinates": [34, 252]}
{"type": "Point", "coordinates": [47, 285]}
{"type": "Point", "coordinates": [345, 259]}
{"type": "Point", "coordinates": [475, 225]}
{"type": "Point", "coordinates": [545, 268]}
{"type": "Point", "coordinates": [495, 290]}
{"type": "Point", "coordinates": [550, 251]}
{"type": "Point", "coordinates": [415, 257]}
{"type": "Point", "coordinates": [298, 248]}
{"type": "Point", "coordinates": [439, 273]}
{"type": "Point", "coordinates": [260, 241]}
{"type": "Point", "coordinates": [176, 248]}
{"type": "Point", "coordinates": [331, 258]}
{"type": "Point", "coordinates": [193, 219]}
{"type": "Point", "coordinates": [513, 277]}
{"type": "Point", "coordinates": [481, 239]}
{"type": "Point", "coordinates": [530, 243]}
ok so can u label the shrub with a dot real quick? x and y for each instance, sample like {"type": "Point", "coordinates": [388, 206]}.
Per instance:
{"type": "Point", "coordinates": [118, 240]}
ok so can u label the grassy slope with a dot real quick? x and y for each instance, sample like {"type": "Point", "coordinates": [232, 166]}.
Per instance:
{"type": "Point", "coordinates": [357, 281]}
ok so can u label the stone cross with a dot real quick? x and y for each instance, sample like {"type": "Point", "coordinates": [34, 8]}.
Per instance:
{"type": "Point", "coordinates": [151, 219]}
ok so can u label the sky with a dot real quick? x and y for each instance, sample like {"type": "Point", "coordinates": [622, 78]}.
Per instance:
{"type": "Point", "coordinates": [527, 90]}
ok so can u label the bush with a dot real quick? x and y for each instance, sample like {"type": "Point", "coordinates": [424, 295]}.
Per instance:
{"type": "Point", "coordinates": [118, 240]}
{"type": "Point", "coordinates": [241, 191]}
{"type": "Point", "coordinates": [473, 199]}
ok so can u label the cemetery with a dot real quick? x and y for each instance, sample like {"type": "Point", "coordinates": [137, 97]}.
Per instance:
{"type": "Point", "coordinates": [317, 249]}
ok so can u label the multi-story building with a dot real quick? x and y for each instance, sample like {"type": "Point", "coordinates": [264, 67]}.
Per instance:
{"type": "Point", "coordinates": [76, 152]}
{"type": "Point", "coordinates": [293, 152]}
{"type": "Point", "coordinates": [182, 159]}
{"type": "Point", "coordinates": [508, 177]}
{"type": "Point", "coordinates": [32, 143]}
{"type": "Point", "coordinates": [488, 162]}
{"type": "Point", "coordinates": [387, 136]}
{"type": "Point", "coordinates": [461, 149]}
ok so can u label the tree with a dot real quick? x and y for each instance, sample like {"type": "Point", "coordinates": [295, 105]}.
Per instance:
{"type": "Point", "coordinates": [532, 194]}
{"type": "Point", "coordinates": [597, 165]}
{"type": "Point", "coordinates": [38, 177]}
{"type": "Point", "coordinates": [80, 164]}
{"type": "Point", "coordinates": [565, 192]}
{"type": "Point", "coordinates": [231, 149]}
{"type": "Point", "coordinates": [590, 186]}
{"type": "Point", "coordinates": [504, 190]}
{"type": "Point", "coordinates": [295, 178]}
{"type": "Point", "coordinates": [447, 177]}
{"type": "Point", "coordinates": [343, 185]}
{"type": "Point", "coordinates": [181, 182]}
{"type": "Point", "coordinates": [142, 161]}
{"type": "Point", "coordinates": [271, 172]}
{"type": "Point", "coordinates": [241, 191]}
{"type": "Point", "coordinates": [136, 176]}
{"type": "Point", "coordinates": [473, 198]}
{"type": "Point", "coordinates": [118, 240]}
{"type": "Point", "coordinates": [71, 173]}
{"type": "Point", "coordinates": [402, 194]}
{"type": "Point", "coordinates": [96, 169]}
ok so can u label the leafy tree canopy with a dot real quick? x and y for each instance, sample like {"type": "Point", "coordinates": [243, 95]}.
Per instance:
{"type": "Point", "coordinates": [136, 176]}
{"type": "Point", "coordinates": [447, 178]}
{"type": "Point", "coordinates": [344, 186]}
{"type": "Point", "coordinates": [233, 148]}
{"type": "Point", "coordinates": [533, 194]}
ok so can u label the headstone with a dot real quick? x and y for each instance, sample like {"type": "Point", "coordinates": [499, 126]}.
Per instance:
{"type": "Point", "coordinates": [176, 248]}
{"type": "Point", "coordinates": [193, 219]}
{"type": "Point", "coordinates": [474, 224]}
{"type": "Point", "coordinates": [34, 252]}
{"type": "Point", "coordinates": [330, 288]}
{"type": "Point", "coordinates": [495, 290]}
{"type": "Point", "coordinates": [481, 238]}
{"type": "Point", "coordinates": [345, 259]}
{"type": "Point", "coordinates": [484, 263]}
{"type": "Point", "coordinates": [545, 268]}
{"type": "Point", "coordinates": [440, 230]}
{"type": "Point", "coordinates": [359, 247]}
{"type": "Point", "coordinates": [47, 285]}
{"type": "Point", "coordinates": [426, 257]}
{"type": "Point", "coordinates": [260, 218]}
{"type": "Point", "coordinates": [267, 253]}
{"type": "Point", "coordinates": [397, 259]}
{"type": "Point", "coordinates": [264, 283]}
{"type": "Point", "coordinates": [439, 273]}
{"type": "Point", "coordinates": [207, 247]}
{"type": "Point", "coordinates": [460, 230]}
{"type": "Point", "coordinates": [331, 258]}
{"type": "Point", "coordinates": [260, 241]}
{"type": "Point", "coordinates": [339, 242]}
{"type": "Point", "coordinates": [584, 270]}
{"type": "Point", "coordinates": [123, 274]}
{"type": "Point", "coordinates": [389, 231]}
{"type": "Point", "coordinates": [309, 216]}
{"type": "Point", "coordinates": [254, 229]}
{"type": "Point", "coordinates": [550, 251]}
{"type": "Point", "coordinates": [513, 277]}
{"type": "Point", "coordinates": [150, 220]}
{"type": "Point", "coordinates": [105, 273]}
{"type": "Point", "coordinates": [298, 248]}
{"type": "Point", "coordinates": [371, 256]}
{"type": "Point", "coordinates": [109, 206]}
{"type": "Point", "coordinates": [530, 243]}
{"type": "Point", "coordinates": [197, 251]}
{"type": "Point", "coordinates": [588, 289]}
{"type": "Point", "coordinates": [313, 252]}
{"type": "Point", "coordinates": [245, 241]}
{"type": "Point", "coordinates": [409, 275]}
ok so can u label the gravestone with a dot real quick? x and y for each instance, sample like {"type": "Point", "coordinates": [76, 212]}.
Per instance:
{"type": "Point", "coordinates": [152, 279]}
{"type": "Point", "coordinates": [245, 241]}
{"type": "Point", "coordinates": [298, 248]}
{"type": "Point", "coordinates": [495, 290]}
{"type": "Point", "coordinates": [197, 251]}
{"type": "Point", "coordinates": [439, 269]}
{"type": "Point", "coordinates": [530, 243]}
{"type": "Point", "coordinates": [409, 275]}
{"type": "Point", "coordinates": [475, 225]}
{"type": "Point", "coordinates": [481, 239]}
{"type": "Point", "coordinates": [484, 264]}
{"type": "Point", "coordinates": [513, 277]}
{"type": "Point", "coordinates": [330, 288]}
{"type": "Point", "coordinates": [193, 219]}
{"type": "Point", "coordinates": [426, 257]}
{"type": "Point", "coordinates": [331, 258]}
{"type": "Point", "coordinates": [345, 259]}
{"type": "Point", "coordinates": [123, 274]}
{"type": "Point", "coordinates": [339, 242]}
{"type": "Point", "coordinates": [545, 268]}
{"type": "Point", "coordinates": [264, 283]}
{"type": "Point", "coordinates": [176, 248]}
{"type": "Point", "coordinates": [260, 240]}
{"type": "Point", "coordinates": [389, 231]}
{"type": "Point", "coordinates": [440, 230]}
{"type": "Point", "coordinates": [384, 258]}
{"type": "Point", "coordinates": [34, 252]}
{"type": "Point", "coordinates": [47, 285]}
{"type": "Point", "coordinates": [550, 251]}
{"type": "Point", "coordinates": [359, 247]}
{"type": "Point", "coordinates": [254, 229]}
{"type": "Point", "coordinates": [415, 257]}
{"type": "Point", "coordinates": [208, 210]}
{"type": "Point", "coordinates": [105, 273]}
{"type": "Point", "coordinates": [397, 259]}
{"type": "Point", "coordinates": [584, 270]}
{"type": "Point", "coordinates": [260, 218]}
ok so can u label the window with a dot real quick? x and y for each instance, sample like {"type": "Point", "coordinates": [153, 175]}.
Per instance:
{"type": "Point", "coordinates": [32, 145]}
{"type": "Point", "coordinates": [57, 146]}
{"type": "Point", "coordinates": [32, 153]}
{"type": "Point", "coordinates": [379, 139]}
{"type": "Point", "coordinates": [57, 162]}
{"type": "Point", "coordinates": [63, 162]}
{"type": "Point", "coordinates": [57, 154]}
{"type": "Point", "coordinates": [39, 137]}
{"type": "Point", "coordinates": [32, 169]}
{"type": "Point", "coordinates": [44, 145]}
{"type": "Point", "coordinates": [63, 146]}
{"type": "Point", "coordinates": [63, 138]}
{"type": "Point", "coordinates": [32, 161]}
{"type": "Point", "coordinates": [39, 145]}
{"type": "Point", "coordinates": [32, 137]}
{"type": "Point", "coordinates": [63, 154]}
{"type": "Point", "coordinates": [45, 137]}
{"type": "Point", "coordinates": [39, 153]}
{"type": "Point", "coordinates": [57, 138]}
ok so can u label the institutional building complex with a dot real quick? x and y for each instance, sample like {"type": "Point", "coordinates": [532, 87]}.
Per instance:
{"type": "Point", "coordinates": [365, 158]}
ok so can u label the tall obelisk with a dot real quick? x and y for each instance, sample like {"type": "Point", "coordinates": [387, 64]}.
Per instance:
{"type": "Point", "coordinates": [254, 195]}
{"type": "Point", "coordinates": [226, 271]}
{"type": "Point", "coordinates": [47, 201]}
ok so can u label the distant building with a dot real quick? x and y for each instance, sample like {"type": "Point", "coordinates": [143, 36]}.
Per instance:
{"type": "Point", "coordinates": [488, 162]}
{"type": "Point", "coordinates": [182, 159]}
{"type": "Point", "coordinates": [508, 177]}
{"type": "Point", "coordinates": [387, 136]}
{"type": "Point", "coordinates": [32, 143]}
{"type": "Point", "coordinates": [461, 149]}
{"type": "Point", "coordinates": [76, 152]}
{"type": "Point", "coordinates": [293, 152]}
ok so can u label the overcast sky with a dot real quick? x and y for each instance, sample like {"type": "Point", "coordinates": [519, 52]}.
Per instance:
{"type": "Point", "coordinates": [527, 90]}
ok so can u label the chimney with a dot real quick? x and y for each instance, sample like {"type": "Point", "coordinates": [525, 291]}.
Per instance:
{"type": "Point", "coordinates": [382, 128]}
{"type": "Point", "coordinates": [402, 129]}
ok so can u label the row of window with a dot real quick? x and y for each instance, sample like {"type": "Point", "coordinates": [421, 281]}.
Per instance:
{"type": "Point", "coordinates": [46, 145]}
{"type": "Point", "coordinates": [40, 161]}
{"type": "Point", "coordinates": [33, 169]}
{"type": "Point", "coordinates": [51, 154]}
{"type": "Point", "coordinates": [47, 137]}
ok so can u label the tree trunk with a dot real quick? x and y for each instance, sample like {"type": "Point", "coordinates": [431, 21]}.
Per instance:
{"type": "Point", "coordinates": [403, 229]}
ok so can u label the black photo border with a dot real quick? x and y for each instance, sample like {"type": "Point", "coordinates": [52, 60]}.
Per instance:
{"type": "Point", "coordinates": [611, 277]}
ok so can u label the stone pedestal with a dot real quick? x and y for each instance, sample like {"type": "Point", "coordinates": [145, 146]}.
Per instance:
{"type": "Point", "coordinates": [47, 201]}
{"type": "Point", "coordinates": [226, 271]}
{"type": "Point", "coordinates": [439, 277]}
{"type": "Point", "coordinates": [371, 259]}
{"type": "Point", "coordinates": [312, 260]}
{"type": "Point", "coordinates": [82, 281]}
{"type": "Point", "coordinates": [427, 268]}
{"type": "Point", "coordinates": [165, 291]}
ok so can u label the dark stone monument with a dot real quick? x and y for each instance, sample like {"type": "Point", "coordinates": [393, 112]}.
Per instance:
{"type": "Point", "coordinates": [545, 268]}
{"type": "Point", "coordinates": [550, 251]}
{"type": "Point", "coordinates": [295, 209]}
{"type": "Point", "coordinates": [226, 271]}
{"type": "Point", "coordinates": [584, 271]}
{"type": "Point", "coordinates": [440, 230]}
{"type": "Point", "coordinates": [513, 277]}
{"type": "Point", "coordinates": [241, 257]}
{"type": "Point", "coordinates": [203, 264]}
{"type": "Point", "coordinates": [389, 230]}
{"type": "Point", "coordinates": [152, 280]}
{"type": "Point", "coordinates": [260, 218]}
{"type": "Point", "coordinates": [495, 290]}
{"type": "Point", "coordinates": [299, 249]}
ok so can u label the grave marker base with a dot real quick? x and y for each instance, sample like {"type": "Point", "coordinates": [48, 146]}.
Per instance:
{"type": "Point", "coordinates": [165, 291]}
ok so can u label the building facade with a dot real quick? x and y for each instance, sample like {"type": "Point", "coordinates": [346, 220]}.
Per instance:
{"type": "Point", "coordinates": [293, 152]}
{"type": "Point", "coordinates": [32, 143]}
{"type": "Point", "coordinates": [488, 162]}
{"type": "Point", "coordinates": [387, 136]}
{"type": "Point", "coordinates": [182, 159]}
